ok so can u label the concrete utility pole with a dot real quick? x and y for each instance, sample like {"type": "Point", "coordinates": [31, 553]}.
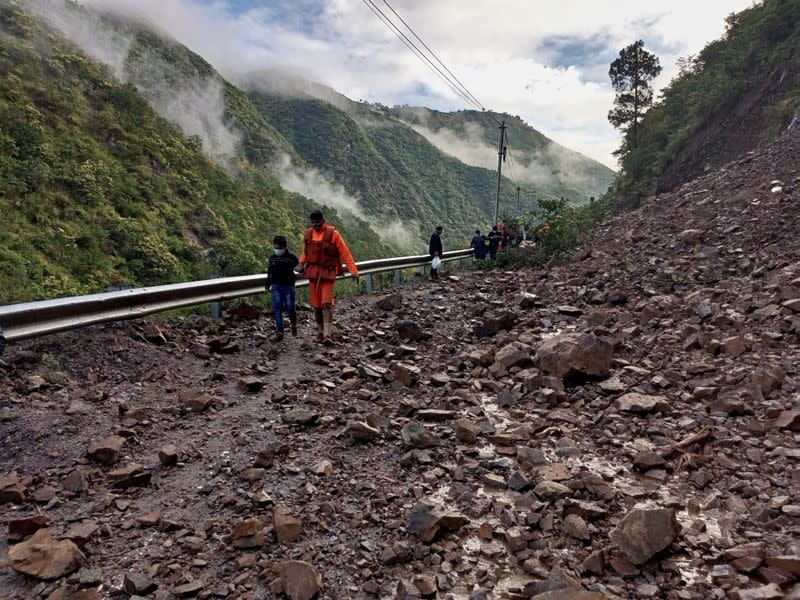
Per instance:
{"type": "Point", "coordinates": [518, 191]}
{"type": "Point", "coordinates": [501, 154]}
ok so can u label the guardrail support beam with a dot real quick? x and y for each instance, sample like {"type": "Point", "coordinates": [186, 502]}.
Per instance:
{"type": "Point", "coordinates": [369, 282]}
{"type": "Point", "coordinates": [398, 276]}
{"type": "Point", "coordinates": [216, 310]}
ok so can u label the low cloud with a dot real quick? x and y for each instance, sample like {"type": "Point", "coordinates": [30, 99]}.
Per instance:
{"type": "Point", "coordinates": [196, 105]}
{"type": "Point", "coordinates": [87, 31]}
{"type": "Point", "coordinates": [313, 184]}
{"type": "Point", "coordinates": [551, 165]}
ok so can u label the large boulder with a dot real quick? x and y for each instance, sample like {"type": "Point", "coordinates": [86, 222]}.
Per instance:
{"type": "Point", "coordinates": [575, 356]}
{"type": "Point", "coordinates": [45, 557]}
{"type": "Point", "coordinates": [644, 532]}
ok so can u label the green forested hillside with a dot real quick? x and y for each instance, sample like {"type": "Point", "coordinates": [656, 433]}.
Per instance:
{"type": "Point", "coordinates": [740, 90]}
{"type": "Point", "coordinates": [96, 189]}
{"type": "Point", "coordinates": [126, 159]}
{"type": "Point", "coordinates": [393, 170]}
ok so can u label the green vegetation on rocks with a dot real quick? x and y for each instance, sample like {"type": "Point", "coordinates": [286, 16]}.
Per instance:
{"type": "Point", "coordinates": [741, 89]}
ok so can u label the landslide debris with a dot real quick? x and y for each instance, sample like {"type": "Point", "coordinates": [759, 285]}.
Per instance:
{"type": "Point", "coordinates": [477, 440]}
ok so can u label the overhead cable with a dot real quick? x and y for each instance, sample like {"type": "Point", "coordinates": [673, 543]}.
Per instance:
{"type": "Point", "coordinates": [414, 33]}
{"type": "Point", "coordinates": [447, 77]}
{"type": "Point", "coordinates": [414, 49]}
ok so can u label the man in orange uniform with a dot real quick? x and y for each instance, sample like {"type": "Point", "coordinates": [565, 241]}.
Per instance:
{"type": "Point", "coordinates": [324, 251]}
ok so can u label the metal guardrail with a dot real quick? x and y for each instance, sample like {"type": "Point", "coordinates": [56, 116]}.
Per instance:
{"type": "Point", "coordinates": [44, 317]}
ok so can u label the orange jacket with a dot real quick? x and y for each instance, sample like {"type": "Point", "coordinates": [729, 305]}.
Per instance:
{"type": "Point", "coordinates": [344, 252]}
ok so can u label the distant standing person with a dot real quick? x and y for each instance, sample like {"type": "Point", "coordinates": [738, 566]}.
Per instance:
{"type": "Point", "coordinates": [435, 249]}
{"type": "Point", "coordinates": [281, 280]}
{"type": "Point", "coordinates": [494, 242]}
{"type": "Point", "coordinates": [478, 245]}
{"type": "Point", "coordinates": [324, 251]}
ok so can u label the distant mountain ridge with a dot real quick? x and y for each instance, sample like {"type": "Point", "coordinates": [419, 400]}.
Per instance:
{"type": "Point", "coordinates": [127, 159]}
{"type": "Point", "coordinates": [538, 162]}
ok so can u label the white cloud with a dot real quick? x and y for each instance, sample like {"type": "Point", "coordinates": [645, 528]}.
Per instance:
{"type": "Point", "coordinates": [496, 50]}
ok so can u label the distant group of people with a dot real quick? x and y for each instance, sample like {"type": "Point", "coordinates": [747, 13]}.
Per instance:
{"type": "Point", "coordinates": [491, 244]}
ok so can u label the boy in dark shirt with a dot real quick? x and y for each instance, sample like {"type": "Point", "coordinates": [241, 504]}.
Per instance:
{"type": "Point", "coordinates": [281, 278]}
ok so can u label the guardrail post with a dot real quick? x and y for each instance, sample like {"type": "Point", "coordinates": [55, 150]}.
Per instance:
{"type": "Point", "coordinates": [422, 270]}
{"type": "Point", "coordinates": [398, 276]}
{"type": "Point", "coordinates": [216, 310]}
{"type": "Point", "coordinates": [369, 283]}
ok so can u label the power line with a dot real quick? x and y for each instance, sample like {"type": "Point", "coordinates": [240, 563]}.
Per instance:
{"type": "Point", "coordinates": [414, 33]}
{"type": "Point", "coordinates": [415, 49]}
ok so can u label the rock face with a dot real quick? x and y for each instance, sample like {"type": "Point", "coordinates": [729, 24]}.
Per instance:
{"type": "Point", "coordinates": [644, 532]}
{"type": "Point", "coordinates": [300, 580]}
{"type": "Point", "coordinates": [575, 356]}
{"type": "Point", "coordinates": [44, 557]}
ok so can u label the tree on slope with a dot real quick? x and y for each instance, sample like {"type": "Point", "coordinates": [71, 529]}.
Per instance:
{"type": "Point", "coordinates": [631, 74]}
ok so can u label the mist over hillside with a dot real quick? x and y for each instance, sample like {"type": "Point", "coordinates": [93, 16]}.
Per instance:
{"type": "Point", "coordinates": [159, 169]}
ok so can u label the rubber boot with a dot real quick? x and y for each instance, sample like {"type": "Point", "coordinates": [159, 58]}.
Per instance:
{"type": "Point", "coordinates": [293, 321]}
{"type": "Point", "coordinates": [327, 326]}
{"type": "Point", "coordinates": [318, 317]}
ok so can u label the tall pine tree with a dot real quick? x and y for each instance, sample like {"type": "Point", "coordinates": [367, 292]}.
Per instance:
{"type": "Point", "coordinates": [631, 74]}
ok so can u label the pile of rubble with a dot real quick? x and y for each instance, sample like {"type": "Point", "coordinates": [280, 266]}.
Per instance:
{"type": "Point", "coordinates": [622, 425]}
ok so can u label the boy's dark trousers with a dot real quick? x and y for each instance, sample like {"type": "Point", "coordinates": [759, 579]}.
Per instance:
{"type": "Point", "coordinates": [283, 298]}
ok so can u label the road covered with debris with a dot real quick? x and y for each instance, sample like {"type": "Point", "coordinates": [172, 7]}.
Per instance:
{"type": "Point", "coordinates": [624, 424]}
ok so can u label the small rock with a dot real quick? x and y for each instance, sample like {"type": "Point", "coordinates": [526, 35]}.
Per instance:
{"type": "Point", "coordinates": [642, 403]}
{"type": "Point", "coordinates": [44, 557]}
{"type": "Point", "coordinates": [361, 432]}
{"type": "Point", "coordinates": [248, 534]}
{"type": "Point", "coordinates": [415, 435]}
{"type": "Point", "coordinates": [390, 302]}
{"type": "Point", "coordinates": [574, 526]}
{"type": "Point", "coordinates": [137, 583]}
{"type": "Point", "coordinates": [550, 490]}
{"type": "Point", "coordinates": [107, 450]}
{"type": "Point", "coordinates": [19, 529]}
{"type": "Point", "coordinates": [188, 589]}
{"type": "Point", "coordinates": [168, 455]}
{"type": "Point", "coordinates": [300, 580]}
{"type": "Point", "coordinates": [409, 330]}
{"type": "Point", "coordinates": [644, 532]}
{"type": "Point", "coordinates": [465, 430]}
{"type": "Point", "coordinates": [287, 526]}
